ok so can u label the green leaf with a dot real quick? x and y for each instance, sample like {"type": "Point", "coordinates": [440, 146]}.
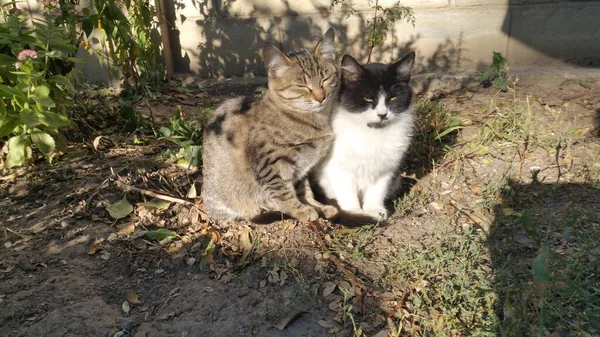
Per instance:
{"type": "Point", "coordinates": [447, 131]}
{"type": "Point", "coordinates": [44, 142]}
{"type": "Point", "coordinates": [161, 234]}
{"type": "Point", "coordinates": [12, 91]}
{"type": "Point", "coordinates": [42, 91]}
{"type": "Point", "coordinates": [17, 148]}
{"type": "Point", "coordinates": [54, 54]}
{"type": "Point", "coordinates": [63, 81]}
{"type": "Point", "coordinates": [29, 118]}
{"type": "Point", "coordinates": [8, 125]}
{"type": "Point", "coordinates": [156, 204]}
{"type": "Point", "coordinates": [540, 267]}
{"type": "Point", "coordinates": [61, 141]}
{"type": "Point", "coordinates": [7, 60]}
{"type": "Point", "coordinates": [44, 101]}
{"type": "Point", "coordinates": [120, 209]}
{"type": "Point", "coordinates": [53, 119]}
{"type": "Point", "coordinates": [164, 131]}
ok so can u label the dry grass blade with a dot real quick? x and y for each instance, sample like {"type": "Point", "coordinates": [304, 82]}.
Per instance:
{"type": "Point", "coordinates": [128, 188]}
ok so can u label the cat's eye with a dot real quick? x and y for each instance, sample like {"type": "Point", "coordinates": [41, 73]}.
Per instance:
{"type": "Point", "coordinates": [393, 98]}
{"type": "Point", "coordinates": [368, 100]}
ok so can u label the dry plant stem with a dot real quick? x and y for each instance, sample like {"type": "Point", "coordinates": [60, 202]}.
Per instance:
{"type": "Point", "coordinates": [402, 301]}
{"type": "Point", "coordinates": [128, 188]}
{"type": "Point", "coordinates": [355, 280]}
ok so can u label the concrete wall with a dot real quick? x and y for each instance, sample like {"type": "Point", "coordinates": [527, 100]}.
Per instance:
{"type": "Point", "coordinates": [223, 37]}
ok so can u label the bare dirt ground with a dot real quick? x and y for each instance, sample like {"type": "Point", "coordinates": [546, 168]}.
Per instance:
{"type": "Point", "coordinates": [497, 223]}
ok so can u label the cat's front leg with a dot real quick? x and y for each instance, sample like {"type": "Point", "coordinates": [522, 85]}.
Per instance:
{"type": "Point", "coordinates": [307, 196]}
{"type": "Point", "coordinates": [345, 190]}
{"type": "Point", "coordinates": [374, 198]}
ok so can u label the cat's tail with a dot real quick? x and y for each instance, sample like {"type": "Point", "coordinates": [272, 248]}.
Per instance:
{"type": "Point", "coordinates": [353, 219]}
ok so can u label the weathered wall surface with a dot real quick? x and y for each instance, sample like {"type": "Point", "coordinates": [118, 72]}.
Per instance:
{"type": "Point", "coordinates": [223, 37]}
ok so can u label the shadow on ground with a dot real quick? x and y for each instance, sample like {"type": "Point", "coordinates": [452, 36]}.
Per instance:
{"type": "Point", "coordinates": [546, 256]}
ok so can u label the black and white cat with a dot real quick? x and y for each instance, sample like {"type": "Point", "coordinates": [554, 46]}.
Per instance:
{"type": "Point", "coordinates": [373, 125]}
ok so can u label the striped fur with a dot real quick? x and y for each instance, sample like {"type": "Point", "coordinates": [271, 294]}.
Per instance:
{"type": "Point", "coordinates": [256, 155]}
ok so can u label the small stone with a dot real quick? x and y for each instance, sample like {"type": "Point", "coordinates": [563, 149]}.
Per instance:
{"type": "Point", "coordinates": [125, 323]}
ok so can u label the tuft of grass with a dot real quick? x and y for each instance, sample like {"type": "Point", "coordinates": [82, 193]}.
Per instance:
{"type": "Point", "coordinates": [453, 285]}
{"type": "Point", "coordinates": [436, 128]}
{"type": "Point", "coordinates": [552, 282]}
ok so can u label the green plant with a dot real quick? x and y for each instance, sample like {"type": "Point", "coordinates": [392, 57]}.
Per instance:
{"type": "Point", "coordinates": [498, 73]}
{"type": "Point", "coordinates": [132, 41]}
{"type": "Point", "coordinates": [453, 287]}
{"type": "Point", "coordinates": [436, 127]}
{"type": "Point", "coordinates": [187, 134]}
{"type": "Point", "coordinates": [34, 95]}
{"type": "Point", "coordinates": [379, 25]}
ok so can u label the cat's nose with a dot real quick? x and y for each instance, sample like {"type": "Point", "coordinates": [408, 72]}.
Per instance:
{"type": "Point", "coordinates": [319, 94]}
{"type": "Point", "coordinates": [382, 117]}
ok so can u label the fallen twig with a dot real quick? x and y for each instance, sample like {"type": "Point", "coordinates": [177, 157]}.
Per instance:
{"type": "Point", "coordinates": [129, 188]}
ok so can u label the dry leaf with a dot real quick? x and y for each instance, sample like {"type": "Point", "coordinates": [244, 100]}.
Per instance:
{"type": "Point", "coordinates": [133, 298]}
{"type": "Point", "coordinates": [347, 286]}
{"type": "Point", "coordinates": [96, 142]}
{"type": "Point", "coordinates": [191, 192]}
{"type": "Point", "coordinates": [190, 261]}
{"type": "Point", "coordinates": [263, 283]}
{"type": "Point", "coordinates": [282, 277]}
{"type": "Point", "coordinates": [159, 271]}
{"type": "Point", "coordinates": [335, 305]}
{"type": "Point", "coordinates": [284, 322]}
{"type": "Point", "coordinates": [94, 247]}
{"type": "Point", "coordinates": [327, 238]}
{"type": "Point", "coordinates": [245, 243]}
{"type": "Point", "coordinates": [328, 324]}
{"type": "Point", "coordinates": [294, 262]}
{"type": "Point", "coordinates": [476, 189]}
{"type": "Point", "coordinates": [383, 333]}
{"type": "Point", "coordinates": [209, 289]}
{"type": "Point", "coordinates": [328, 288]}
{"type": "Point", "coordinates": [126, 308]}
{"type": "Point", "coordinates": [273, 277]}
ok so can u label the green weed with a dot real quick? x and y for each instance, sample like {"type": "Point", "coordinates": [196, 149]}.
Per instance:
{"type": "Point", "coordinates": [453, 287]}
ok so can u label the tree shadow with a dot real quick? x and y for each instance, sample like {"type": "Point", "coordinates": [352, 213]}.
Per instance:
{"type": "Point", "coordinates": [559, 31]}
{"type": "Point", "coordinates": [545, 257]}
{"type": "Point", "coordinates": [232, 43]}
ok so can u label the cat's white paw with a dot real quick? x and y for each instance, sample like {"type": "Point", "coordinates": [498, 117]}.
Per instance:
{"type": "Point", "coordinates": [377, 213]}
{"type": "Point", "coordinates": [355, 210]}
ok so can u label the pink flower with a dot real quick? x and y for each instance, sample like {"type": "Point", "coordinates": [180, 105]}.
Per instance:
{"type": "Point", "coordinates": [27, 53]}
{"type": "Point", "coordinates": [15, 11]}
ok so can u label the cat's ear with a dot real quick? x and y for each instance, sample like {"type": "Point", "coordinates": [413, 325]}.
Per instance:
{"type": "Point", "coordinates": [326, 47]}
{"type": "Point", "coordinates": [275, 60]}
{"type": "Point", "coordinates": [403, 67]}
{"type": "Point", "coordinates": [352, 71]}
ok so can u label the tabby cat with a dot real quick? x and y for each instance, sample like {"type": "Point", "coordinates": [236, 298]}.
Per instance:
{"type": "Point", "coordinates": [256, 155]}
{"type": "Point", "coordinates": [373, 125]}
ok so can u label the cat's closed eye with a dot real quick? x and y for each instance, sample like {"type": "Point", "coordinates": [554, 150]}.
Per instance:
{"type": "Point", "coordinates": [368, 99]}
{"type": "Point", "coordinates": [391, 99]}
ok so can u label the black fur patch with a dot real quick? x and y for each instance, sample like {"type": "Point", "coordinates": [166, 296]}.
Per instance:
{"type": "Point", "coordinates": [216, 126]}
{"type": "Point", "coordinates": [246, 105]}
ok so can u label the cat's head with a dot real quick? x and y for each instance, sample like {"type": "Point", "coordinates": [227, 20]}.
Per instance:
{"type": "Point", "coordinates": [377, 93]}
{"type": "Point", "coordinates": [306, 80]}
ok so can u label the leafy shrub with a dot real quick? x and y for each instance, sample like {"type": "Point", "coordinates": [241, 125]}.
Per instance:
{"type": "Point", "coordinates": [35, 90]}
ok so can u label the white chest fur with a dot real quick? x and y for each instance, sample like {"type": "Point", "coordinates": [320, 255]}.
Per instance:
{"type": "Point", "coordinates": [363, 159]}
